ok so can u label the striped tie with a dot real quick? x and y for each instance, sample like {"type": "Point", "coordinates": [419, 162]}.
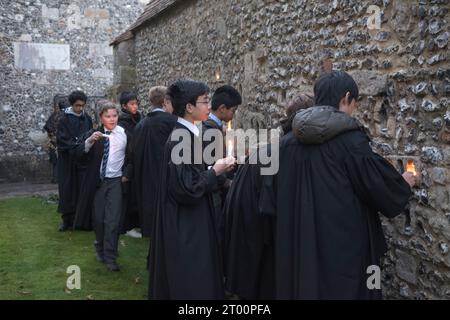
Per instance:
{"type": "Point", "coordinates": [105, 155]}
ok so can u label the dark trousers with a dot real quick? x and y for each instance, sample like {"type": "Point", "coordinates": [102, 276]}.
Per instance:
{"type": "Point", "coordinates": [54, 162]}
{"type": "Point", "coordinates": [107, 213]}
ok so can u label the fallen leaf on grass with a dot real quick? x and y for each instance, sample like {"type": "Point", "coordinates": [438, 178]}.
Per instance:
{"type": "Point", "coordinates": [24, 292]}
{"type": "Point", "coordinates": [90, 297]}
{"type": "Point", "coordinates": [137, 280]}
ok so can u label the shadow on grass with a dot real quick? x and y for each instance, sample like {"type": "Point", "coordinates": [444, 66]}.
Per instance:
{"type": "Point", "coordinates": [34, 258]}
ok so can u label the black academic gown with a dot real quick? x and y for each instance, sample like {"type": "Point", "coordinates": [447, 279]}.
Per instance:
{"type": "Point", "coordinates": [91, 181]}
{"type": "Point", "coordinates": [219, 194]}
{"type": "Point", "coordinates": [150, 136]}
{"type": "Point", "coordinates": [249, 247]}
{"type": "Point", "coordinates": [327, 198]}
{"type": "Point", "coordinates": [130, 218]}
{"type": "Point", "coordinates": [70, 171]}
{"type": "Point", "coordinates": [185, 262]}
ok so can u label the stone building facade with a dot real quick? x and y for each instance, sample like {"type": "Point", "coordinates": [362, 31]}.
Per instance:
{"type": "Point", "coordinates": [50, 47]}
{"type": "Point", "coordinates": [397, 50]}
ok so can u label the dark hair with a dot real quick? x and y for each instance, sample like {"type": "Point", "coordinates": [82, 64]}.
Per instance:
{"type": "Point", "coordinates": [331, 87]}
{"type": "Point", "coordinates": [126, 97]}
{"type": "Point", "coordinates": [60, 102]}
{"type": "Point", "coordinates": [300, 102]}
{"type": "Point", "coordinates": [226, 95]}
{"type": "Point", "coordinates": [77, 95]}
{"type": "Point", "coordinates": [183, 92]}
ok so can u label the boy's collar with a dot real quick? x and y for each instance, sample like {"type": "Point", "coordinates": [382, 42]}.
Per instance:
{"type": "Point", "coordinates": [190, 126]}
{"type": "Point", "coordinates": [216, 119]}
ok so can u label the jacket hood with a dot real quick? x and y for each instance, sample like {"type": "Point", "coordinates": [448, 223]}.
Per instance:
{"type": "Point", "coordinates": [69, 110]}
{"type": "Point", "coordinates": [319, 124]}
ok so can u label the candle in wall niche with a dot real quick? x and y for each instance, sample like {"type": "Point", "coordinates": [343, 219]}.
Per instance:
{"type": "Point", "coordinates": [217, 75]}
{"type": "Point", "coordinates": [410, 167]}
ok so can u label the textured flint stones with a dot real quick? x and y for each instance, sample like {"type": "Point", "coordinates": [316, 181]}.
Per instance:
{"type": "Point", "coordinates": [51, 47]}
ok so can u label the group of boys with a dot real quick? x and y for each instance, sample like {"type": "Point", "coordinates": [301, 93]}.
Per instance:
{"type": "Point", "coordinates": [309, 231]}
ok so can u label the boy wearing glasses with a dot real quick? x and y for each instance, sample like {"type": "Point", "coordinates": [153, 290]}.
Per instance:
{"type": "Point", "coordinates": [185, 261]}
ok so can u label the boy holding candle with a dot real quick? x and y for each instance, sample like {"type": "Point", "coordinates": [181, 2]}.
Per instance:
{"type": "Point", "coordinates": [185, 259]}
{"type": "Point", "coordinates": [224, 104]}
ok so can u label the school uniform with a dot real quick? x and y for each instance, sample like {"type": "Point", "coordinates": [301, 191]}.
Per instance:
{"type": "Point", "coordinates": [108, 161]}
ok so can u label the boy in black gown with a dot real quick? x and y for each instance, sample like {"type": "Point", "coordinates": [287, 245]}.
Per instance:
{"type": "Point", "coordinates": [249, 236]}
{"type": "Point", "coordinates": [73, 124]}
{"type": "Point", "coordinates": [129, 117]}
{"type": "Point", "coordinates": [185, 259]}
{"type": "Point", "coordinates": [224, 104]}
{"type": "Point", "coordinates": [149, 139]}
{"type": "Point", "coordinates": [326, 197]}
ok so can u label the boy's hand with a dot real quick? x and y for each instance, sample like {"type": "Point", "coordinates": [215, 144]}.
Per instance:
{"type": "Point", "coordinates": [409, 178]}
{"type": "Point", "coordinates": [95, 137]}
{"type": "Point", "coordinates": [224, 165]}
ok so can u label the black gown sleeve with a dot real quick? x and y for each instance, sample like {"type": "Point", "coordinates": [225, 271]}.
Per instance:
{"type": "Point", "coordinates": [64, 139]}
{"type": "Point", "coordinates": [79, 148]}
{"type": "Point", "coordinates": [188, 184]}
{"type": "Point", "coordinates": [49, 126]}
{"type": "Point", "coordinates": [376, 182]}
{"type": "Point", "coordinates": [128, 170]}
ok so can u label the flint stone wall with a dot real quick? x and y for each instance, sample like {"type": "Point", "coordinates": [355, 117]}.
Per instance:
{"type": "Point", "coordinates": [271, 50]}
{"type": "Point", "coordinates": [50, 47]}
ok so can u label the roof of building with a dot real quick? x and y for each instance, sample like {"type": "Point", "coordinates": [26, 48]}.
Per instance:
{"type": "Point", "coordinates": [153, 9]}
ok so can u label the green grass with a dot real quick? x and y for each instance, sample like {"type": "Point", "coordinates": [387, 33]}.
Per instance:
{"type": "Point", "coordinates": [34, 258]}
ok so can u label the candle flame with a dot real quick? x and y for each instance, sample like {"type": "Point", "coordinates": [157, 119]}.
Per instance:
{"type": "Point", "coordinates": [410, 167]}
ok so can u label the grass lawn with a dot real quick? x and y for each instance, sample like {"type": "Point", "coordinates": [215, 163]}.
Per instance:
{"type": "Point", "coordinates": [34, 257]}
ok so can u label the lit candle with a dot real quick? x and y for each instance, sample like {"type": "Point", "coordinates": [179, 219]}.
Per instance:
{"type": "Point", "coordinates": [218, 76]}
{"type": "Point", "coordinates": [230, 148]}
{"type": "Point", "coordinates": [410, 167]}
{"type": "Point", "coordinates": [230, 141]}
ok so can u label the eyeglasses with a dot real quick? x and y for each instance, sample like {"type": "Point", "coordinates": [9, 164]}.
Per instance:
{"type": "Point", "coordinates": [205, 102]}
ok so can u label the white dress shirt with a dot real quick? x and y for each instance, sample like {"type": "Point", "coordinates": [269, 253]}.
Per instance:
{"type": "Point", "coordinates": [192, 127]}
{"type": "Point", "coordinates": [117, 147]}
